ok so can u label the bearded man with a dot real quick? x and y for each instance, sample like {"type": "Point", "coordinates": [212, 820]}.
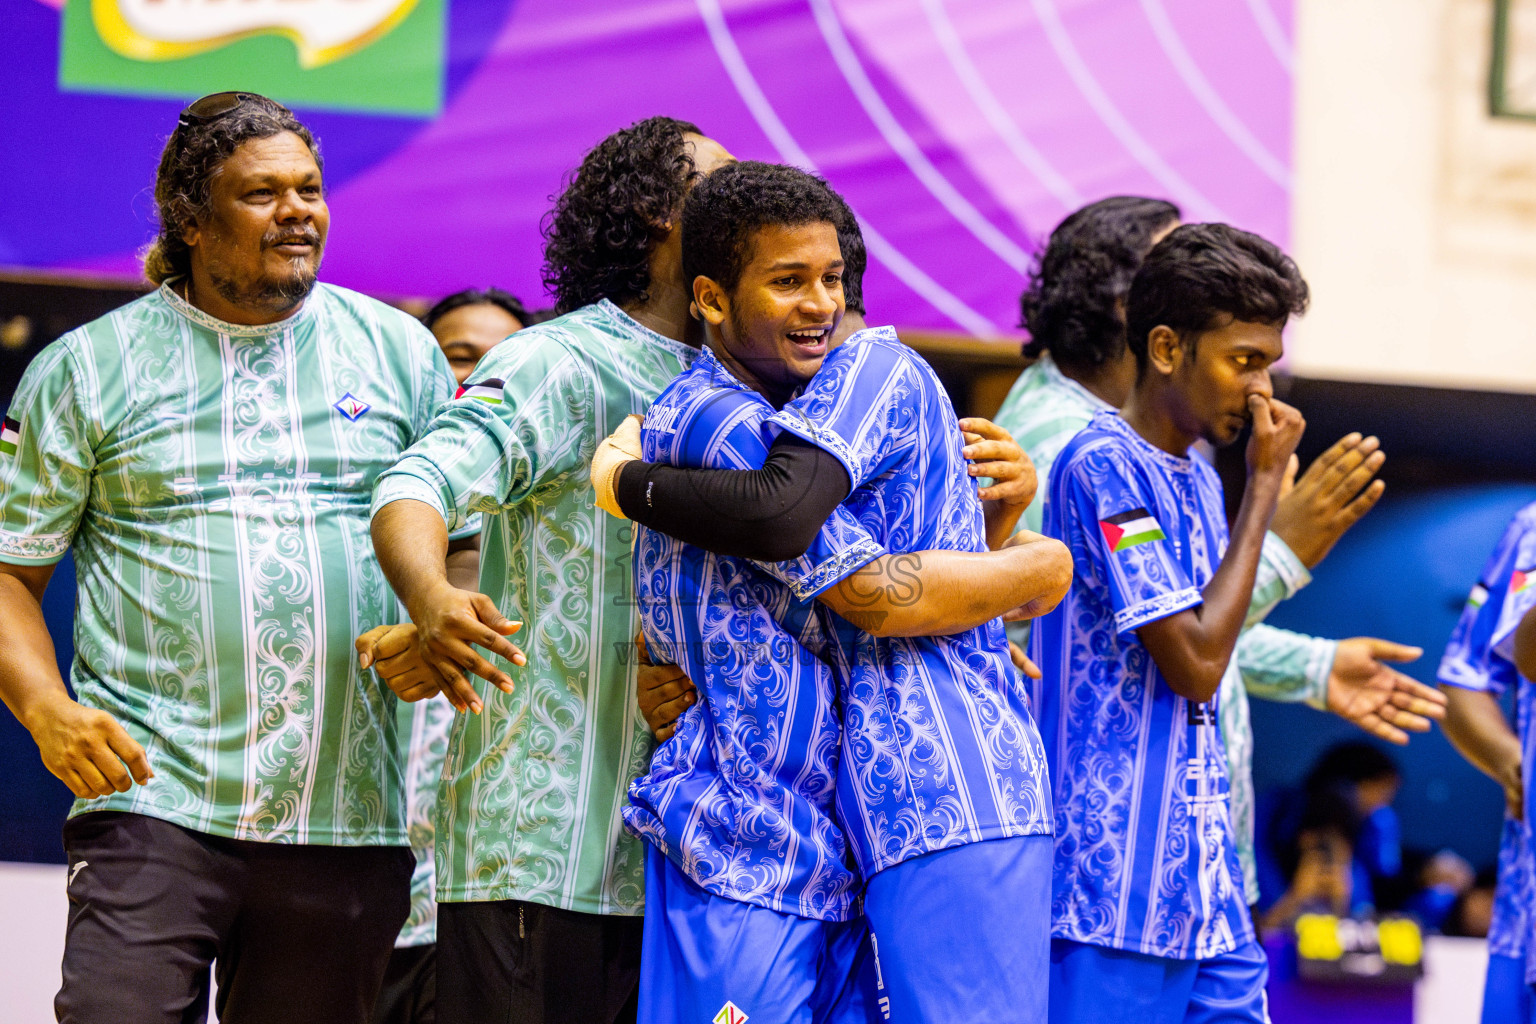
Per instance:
{"type": "Point", "coordinates": [208, 453]}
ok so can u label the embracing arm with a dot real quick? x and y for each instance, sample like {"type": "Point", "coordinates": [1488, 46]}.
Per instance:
{"type": "Point", "coordinates": [940, 593]}
{"type": "Point", "coordinates": [768, 515]}
{"type": "Point", "coordinates": [87, 749]}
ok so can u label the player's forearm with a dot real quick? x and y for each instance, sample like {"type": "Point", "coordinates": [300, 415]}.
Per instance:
{"type": "Point", "coordinates": [1477, 728]}
{"type": "Point", "coordinates": [1193, 647]}
{"type": "Point", "coordinates": [770, 514]}
{"type": "Point", "coordinates": [1001, 520]}
{"type": "Point", "coordinates": [463, 563]}
{"type": "Point", "coordinates": [940, 593]}
{"type": "Point", "coordinates": [411, 541]}
{"type": "Point", "coordinates": [29, 673]}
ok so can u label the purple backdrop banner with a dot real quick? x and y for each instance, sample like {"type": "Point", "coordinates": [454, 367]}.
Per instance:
{"type": "Point", "coordinates": [960, 130]}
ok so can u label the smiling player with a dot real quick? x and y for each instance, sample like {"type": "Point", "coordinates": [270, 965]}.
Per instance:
{"type": "Point", "coordinates": [749, 901]}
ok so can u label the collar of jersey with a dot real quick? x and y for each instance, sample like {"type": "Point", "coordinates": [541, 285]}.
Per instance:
{"type": "Point", "coordinates": [1114, 421]}
{"type": "Point", "coordinates": [634, 328]}
{"type": "Point", "coordinates": [218, 326]}
{"type": "Point", "coordinates": [1056, 378]}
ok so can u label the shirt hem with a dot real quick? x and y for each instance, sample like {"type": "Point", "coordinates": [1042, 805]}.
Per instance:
{"type": "Point", "coordinates": [1290, 569]}
{"type": "Point", "coordinates": [225, 830]}
{"type": "Point", "coordinates": [951, 840]}
{"type": "Point", "coordinates": [505, 893]}
{"type": "Point", "coordinates": [1143, 948]}
{"type": "Point", "coordinates": [837, 568]}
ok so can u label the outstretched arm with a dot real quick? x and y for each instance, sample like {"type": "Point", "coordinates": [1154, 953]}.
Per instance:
{"type": "Point", "coordinates": [1192, 647]}
{"type": "Point", "coordinates": [940, 593]}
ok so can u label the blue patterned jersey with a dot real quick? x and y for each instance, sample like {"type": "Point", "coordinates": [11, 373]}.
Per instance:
{"type": "Point", "coordinates": [1471, 662]}
{"type": "Point", "coordinates": [939, 748]}
{"type": "Point", "coordinates": [741, 797]}
{"type": "Point", "coordinates": [1145, 856]}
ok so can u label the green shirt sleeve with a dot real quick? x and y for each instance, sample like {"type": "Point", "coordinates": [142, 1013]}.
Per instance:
{"type": "Point", "coordinates": [1281, 574]}
{"type": "Point", "coordinates": [504, 439]}
{"type": "Point", "coordinates": [1279, 665]}
{"type": "Point", "coordinates": [47, 459]}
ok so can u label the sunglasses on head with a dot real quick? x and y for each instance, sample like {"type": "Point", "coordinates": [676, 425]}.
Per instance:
{"type": "Point", "coordinates": [212, 107]}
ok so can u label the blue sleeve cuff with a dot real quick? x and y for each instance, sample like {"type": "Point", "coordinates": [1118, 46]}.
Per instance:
{"type": "Point", "coordinates": [1160, 607]}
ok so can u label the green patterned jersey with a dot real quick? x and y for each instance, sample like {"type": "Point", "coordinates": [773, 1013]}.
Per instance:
{"type": "Point", "coordinates": [532, 787]}
{"type": "Point", "coordinates": [424, 727]}
{"type": "Point", "coordinates": [213, 482]}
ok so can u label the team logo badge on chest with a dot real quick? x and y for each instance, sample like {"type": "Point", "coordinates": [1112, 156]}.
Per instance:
{"type": "Point", "coordinates": [350, 407]}
{"type": "Point", "coordinates": [730, 1014]}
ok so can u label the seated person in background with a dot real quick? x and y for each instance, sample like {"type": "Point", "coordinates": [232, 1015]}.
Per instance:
{"type": "Point", "coordinates": [1148, 896]}
{"type": "Point", "coordinates": [1473, 915]}
{"type": "Point", "coordinates": [1384, 878]}
{"type": "Point", "coordinates": [1317, 865]}
{"type": "Point", "coordinates": [1074, 308]}
{"type": "Point", "coordinates": [470, 323]}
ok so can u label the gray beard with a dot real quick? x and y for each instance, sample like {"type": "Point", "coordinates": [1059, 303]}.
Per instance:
{"type": "Point", "coordinates": [267, 296]}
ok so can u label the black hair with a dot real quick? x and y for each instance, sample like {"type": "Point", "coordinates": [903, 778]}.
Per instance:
{"type": "Point", "coordinates": [598, 236]}
{"type": "Point", "coordinates": [724, 210]}
{"type": "Point", "coordinates": [505, 301]}
{"type": "Point", "coordinates": [1202, 274]}
{"type": "Point", "coordinates": [1074, 304]}
{"type": "Point", "coordinates": [855, 258]}
{"type": "Point", "coordinates": [1323, 812]}
{"type": "Point", "coordinates": [188, 163]}
{"type": "Point", "coordinates": [1351, 763]}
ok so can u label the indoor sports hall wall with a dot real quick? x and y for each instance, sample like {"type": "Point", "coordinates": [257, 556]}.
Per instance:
{"type": "Point", "coordinates": [960, 130]}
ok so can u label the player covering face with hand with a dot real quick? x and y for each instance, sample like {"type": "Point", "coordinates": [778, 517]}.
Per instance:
{"type": "Point", "coordinates": [1147, 892]}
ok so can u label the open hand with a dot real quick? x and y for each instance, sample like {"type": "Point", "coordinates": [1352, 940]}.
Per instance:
{"type": "Point", "coordinates": [619, 447]}
{"type": "Point", "coordinates": [1330, 497]}
{"type": "Point", "coordinates": [1379, 699]}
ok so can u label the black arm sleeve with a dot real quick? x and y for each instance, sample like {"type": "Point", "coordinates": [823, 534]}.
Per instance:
{"type": "Point", "coordinates": [768, 515]}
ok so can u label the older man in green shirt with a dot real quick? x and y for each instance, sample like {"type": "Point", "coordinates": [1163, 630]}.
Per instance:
{"type": "Point", "coordinates": [1074, 310]}
{"type": "Point", "coordinates": [539, 887]}
{"type": "Point", "coordinates": [208, 453]}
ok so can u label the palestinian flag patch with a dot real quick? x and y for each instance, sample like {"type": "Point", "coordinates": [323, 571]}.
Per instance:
{"type": "Point", "coordinates": [488, 391]}
{"type": "Point", "coordinates": [1521, 579]}
{"type": "Point", "coordinates": [10, 436]}
{"type": "Point", "coordinates": [1478, 597]}
{"type": "Point", "coordinates": [1128, 529]}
